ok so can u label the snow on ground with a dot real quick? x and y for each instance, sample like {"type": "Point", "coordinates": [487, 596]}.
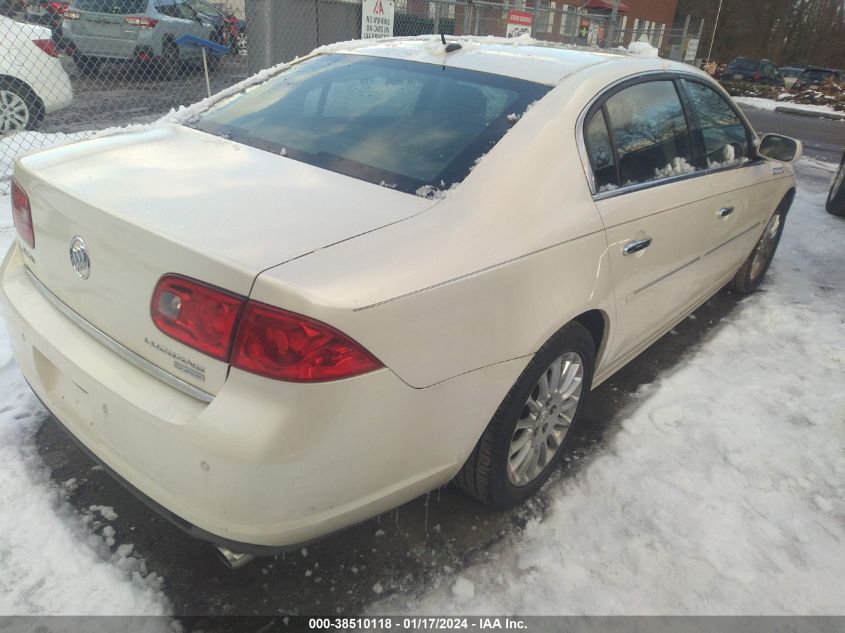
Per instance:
{"type": "Point", "coordinates": [770, 104]}
{"type": "Point", "coordinates": [724, 490]}
{"type": "Point", "coordinates": [52, 559]}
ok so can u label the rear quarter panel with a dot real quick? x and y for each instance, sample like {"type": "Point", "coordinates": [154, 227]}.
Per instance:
{"type": "Point", "coordinates": [486, 275]}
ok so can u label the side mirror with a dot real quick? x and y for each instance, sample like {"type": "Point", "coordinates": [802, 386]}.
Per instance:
{"type": "Point", "coordinates": [778, 147]}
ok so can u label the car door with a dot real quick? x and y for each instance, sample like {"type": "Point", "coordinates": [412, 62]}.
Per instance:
{"type": "Point", "coordinates": [655, 205]}
{"type": "Point", "coordinates": [743, 199]}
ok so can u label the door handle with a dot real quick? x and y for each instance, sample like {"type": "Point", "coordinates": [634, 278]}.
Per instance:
{"type": "Point", "coordinates": [636, 246]}
{"type": "Point", "coordinates": [724, 212]}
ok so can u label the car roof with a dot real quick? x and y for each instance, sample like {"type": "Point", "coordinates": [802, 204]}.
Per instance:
{"type": "Point", "coordinates": [523, 58]}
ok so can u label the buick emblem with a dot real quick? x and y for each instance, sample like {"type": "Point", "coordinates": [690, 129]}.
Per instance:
{"type": "Point", "coordinates": [79, 257]}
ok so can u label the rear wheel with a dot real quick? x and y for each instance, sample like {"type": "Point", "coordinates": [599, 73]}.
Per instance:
{"type": "Point", "coordinates": [751, 273]}
{"type": "Point", "coordinates": [20, 108]}
{"type": "Point", "coordinates": [240, 44]}
{"type": "Point", "coordinates": [533, 427]}
{"type": "Point", "coordinates": [88, 66]}
{"type": "Point", "coordinates": [168, 62]}
{"type": "Point", "coordinates": [836, 196]}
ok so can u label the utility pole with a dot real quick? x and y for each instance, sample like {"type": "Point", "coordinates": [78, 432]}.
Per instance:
{"type": "Point", "coordinates": [715, 26]}
{"type": "Point", "coordinates": [611, 28]}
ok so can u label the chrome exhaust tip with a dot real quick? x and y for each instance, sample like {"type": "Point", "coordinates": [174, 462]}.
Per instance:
{"type": "Point", "coordinates": [233, 560]}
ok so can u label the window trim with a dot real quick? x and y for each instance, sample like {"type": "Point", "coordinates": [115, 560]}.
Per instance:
{"type": "Point", "coordinates": [597, 102]}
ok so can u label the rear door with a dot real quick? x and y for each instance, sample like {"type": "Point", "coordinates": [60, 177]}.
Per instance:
{"type": "Point", "coordinates": [655, 204]}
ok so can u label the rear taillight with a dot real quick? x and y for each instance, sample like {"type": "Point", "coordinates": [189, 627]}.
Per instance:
{"type": "Point", "coordinates": [57, 7]}
{"type": "Point", "coordinates": [757, 76]}
{"type": "Point", "coordinates": [279, 344]}
{"type": "Point", "coordinates": [253, 336]}
{"type": "Point", "coordinates": [48, 46]}
{"type": "Point", "coordinates": [200, 316]}
{"type": "Point", "coordinates": [70, 14]}
{"type": "Point", "coordinates": [22, 214]}
{"type": "Point", "coordinates": [141, 20]}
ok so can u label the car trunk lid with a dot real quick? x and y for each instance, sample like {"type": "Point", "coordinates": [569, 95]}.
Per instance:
{"type": "Point", "coordinates": [176, 200]}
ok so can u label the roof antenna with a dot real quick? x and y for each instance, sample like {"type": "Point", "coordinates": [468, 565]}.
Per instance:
{"type": "Point", "coordinates": [451, 47]}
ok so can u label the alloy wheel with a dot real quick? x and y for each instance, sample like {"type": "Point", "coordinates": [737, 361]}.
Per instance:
{"type": "Point", "coordinates": [766, 246]}
{"type": "Point", "coordinates": [14, 112]}
{"type": "Point", "coordinates": [545, 419]}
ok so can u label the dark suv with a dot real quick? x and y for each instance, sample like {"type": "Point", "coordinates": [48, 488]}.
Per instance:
{"type": "Point", "coordinates": [756, 70]}
{"type": "Point", "coordinates": [813, 78]}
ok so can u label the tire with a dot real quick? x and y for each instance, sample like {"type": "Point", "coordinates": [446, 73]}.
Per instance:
{"type": "Point", "coordinates": [88, 66]}
{"type": "Point", "coordinates": [496, 472]}
{"type": "Point", "coordinates": [20, 107]}
{"type": "Point", "coordinates": [750, 275]}
{"type": "Point", "coordinates": [167, 64]}
{"type": "Point", "coordinates": [835, 204]}
{"type": "Point", "coordinates": [240, 44]}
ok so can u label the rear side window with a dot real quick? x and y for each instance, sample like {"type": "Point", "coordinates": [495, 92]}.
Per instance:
{"type": "Point", "coordinates": [118, 7]}
{"type": "Point", "coordinates": [650, 130]}
{"type": "Point", "coordinates": [407, 125]}
{"type": "Point", "coordinates": [601, 155]}
{"type": "Point", "coordinates": [175, 9]}
{"type": "Point", "coordinates": [723, 133]}
{"type": "Point", "coordinates": [748, 65]}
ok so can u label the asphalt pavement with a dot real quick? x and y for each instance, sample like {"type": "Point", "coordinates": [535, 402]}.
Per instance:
{"type": "Point", "coordinates": [824, 139]}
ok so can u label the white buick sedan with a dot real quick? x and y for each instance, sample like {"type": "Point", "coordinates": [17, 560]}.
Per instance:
{"type": "Point", "coordinates": [386, 267]}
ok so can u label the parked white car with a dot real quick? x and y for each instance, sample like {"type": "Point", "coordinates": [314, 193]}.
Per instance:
{"type": "Point", "coordinates": [32, 80]}
{"type": "Point", "coordinates": [401, 267]}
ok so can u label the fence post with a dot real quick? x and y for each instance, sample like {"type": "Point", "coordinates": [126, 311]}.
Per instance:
{"type": "Point", "coordinates": [611, 27]}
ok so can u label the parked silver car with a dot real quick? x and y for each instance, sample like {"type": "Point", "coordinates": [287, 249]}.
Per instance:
{"type": "Point", "coordinates": [143, 31]}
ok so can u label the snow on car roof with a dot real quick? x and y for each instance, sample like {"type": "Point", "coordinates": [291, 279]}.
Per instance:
{"type": "Point", "coordinates": [522, 57]}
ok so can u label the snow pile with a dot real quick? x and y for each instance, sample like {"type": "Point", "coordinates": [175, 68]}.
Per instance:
{"type": "Point", "coordinates": [770, 104]}
{"type": "Point", "coordinates": [724, 490]}
{"type": "Point", "coordinates": [677, 167]}
{"type": "Point", "coordinates": [52, 559]}
{"type": "Point", "coordinates": [642, 49]}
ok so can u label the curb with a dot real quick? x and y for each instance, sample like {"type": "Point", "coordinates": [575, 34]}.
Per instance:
{"type": "Point", "coordinates": [811, 113]}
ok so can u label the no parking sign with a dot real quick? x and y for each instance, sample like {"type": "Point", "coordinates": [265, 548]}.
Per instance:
{"type": "Point", "coordinates": [376, 19]}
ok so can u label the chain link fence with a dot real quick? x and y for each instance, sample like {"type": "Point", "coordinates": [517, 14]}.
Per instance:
{"type": "Point", "coordinates": [70, 67]}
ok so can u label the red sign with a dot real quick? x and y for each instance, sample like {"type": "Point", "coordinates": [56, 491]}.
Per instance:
{"type": "Point", "coordinates": [519, 23]}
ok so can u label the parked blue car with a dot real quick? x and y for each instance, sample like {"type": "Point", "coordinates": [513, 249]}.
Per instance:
{"type": "Point", "coordinates": [144, 31]}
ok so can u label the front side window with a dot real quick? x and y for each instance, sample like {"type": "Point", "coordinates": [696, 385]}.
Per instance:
{"type": "Point", "coordinates": [407, 125]}
{"type": "Point", "coordinates": [724, 135]}
{"type": "Point", "coordinates": [650, 130]}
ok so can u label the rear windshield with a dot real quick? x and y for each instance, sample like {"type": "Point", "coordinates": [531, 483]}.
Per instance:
{"type": "Point", "coordinates": [744, 64]}
{"type": "Point", "coordinates": [815, 75]}
{"type": "Point", "coordinates": [790, 72]}
{"type": "Point", "coordinates": [119, 7]}
{"type": "Point", "coordinates": [407, 125]}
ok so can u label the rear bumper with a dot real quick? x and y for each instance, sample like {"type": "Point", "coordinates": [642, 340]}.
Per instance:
{"type": "Point", "coordinates": [267, 465]}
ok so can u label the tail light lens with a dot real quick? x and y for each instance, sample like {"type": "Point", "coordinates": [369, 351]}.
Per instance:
{"type": "Point", "coordinates": [22, 214]}
{"type": "Point", "coordinates": [70, 14]}
{"type": "Point", "coordinates": [141, 20]}
{"type": "Point", "coordinates": [200, 316]}
{"type": "Point", "coordinates": [757, 76]}
{"type": "Point", "coordinates": [253, 336]}
{"type": "Point", "coordinates": [58, 7]}
{"type": "Point", "coordinates": [48, 46]}
{"type": "Point", "coordinates": [279, 344]}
